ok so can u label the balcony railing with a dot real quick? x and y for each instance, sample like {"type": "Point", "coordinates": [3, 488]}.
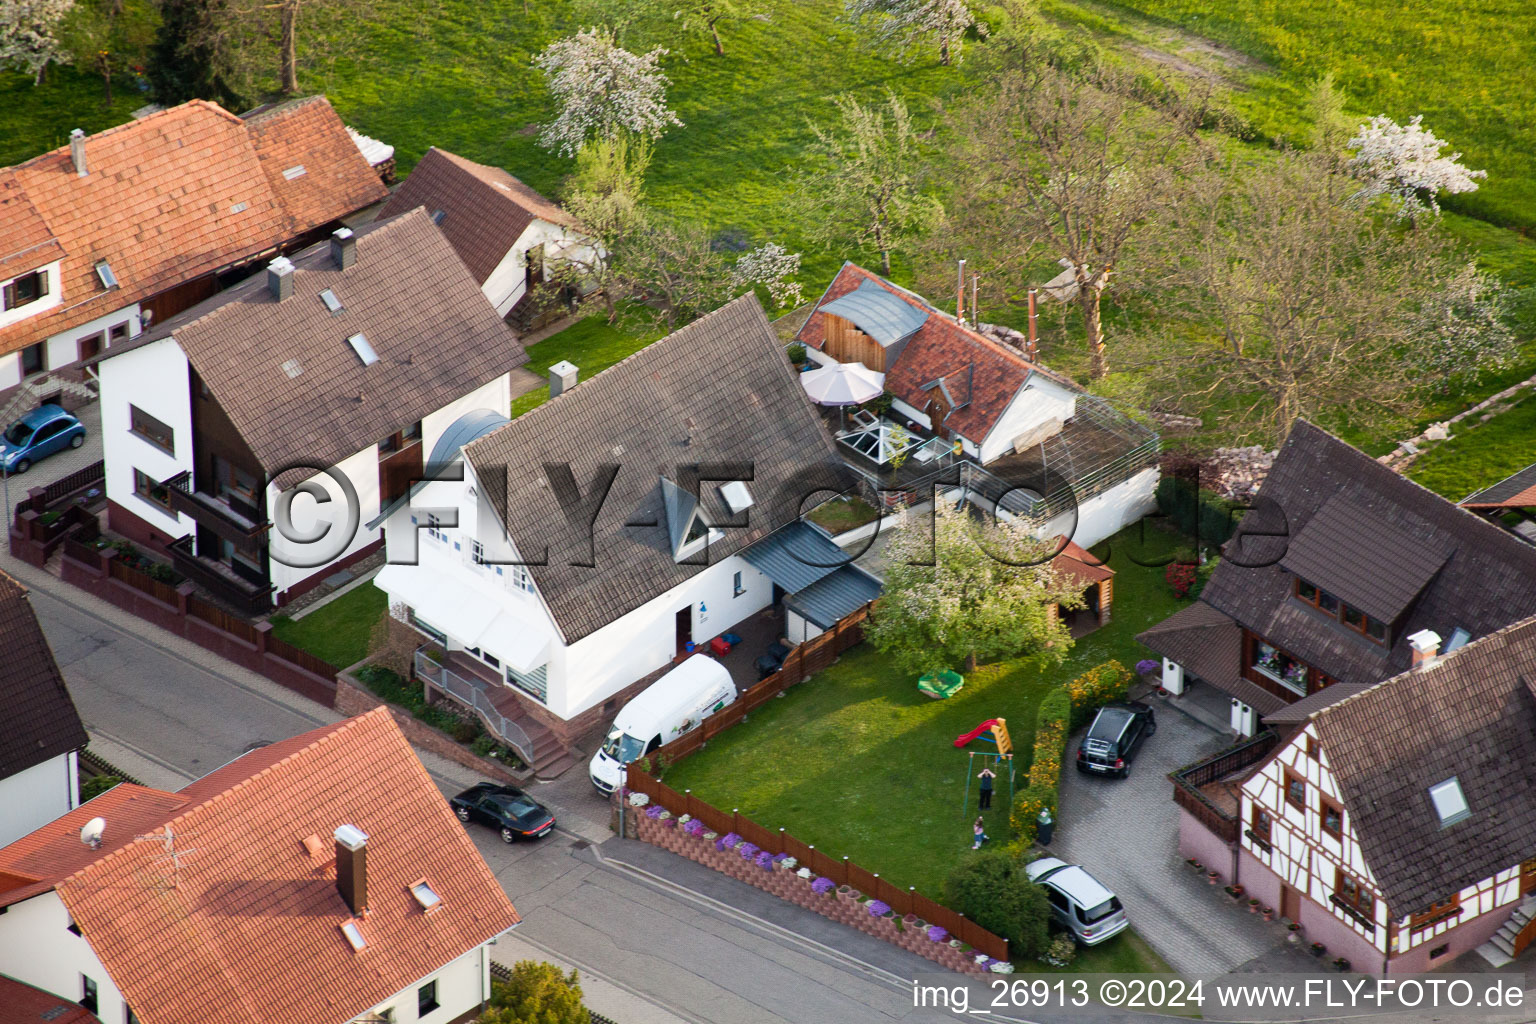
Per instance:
{"type": "Point", "coordinates": [248, 596]}
{"type": "Point", "coordinates": [230, 518]}
{"type": "Point", "coordinates": [474, 693]}
{"type": "Point", "coordinates": [1189, 783]}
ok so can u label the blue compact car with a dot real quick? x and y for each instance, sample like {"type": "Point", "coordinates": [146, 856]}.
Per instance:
{"type": "Point", "coordinates": [37, 435]}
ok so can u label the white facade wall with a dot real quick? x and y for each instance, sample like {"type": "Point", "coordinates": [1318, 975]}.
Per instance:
{"type": "Point", "coordinates": [35, 796]}
{"type": "Point", "coordinates": [37, 947]}
{"type": "Point", "coordinates": [1106, 514]}
{"type": "Point", "coordinates": [462, 985]}
{"type": "Point", "coordinates": [154, 378]}
{"type": "Point", "coordinates": [63, 348]}
{"type": "Point", "coordinates": [1025, 411]}
{"type": "Point", "coordinates": [509, 281]}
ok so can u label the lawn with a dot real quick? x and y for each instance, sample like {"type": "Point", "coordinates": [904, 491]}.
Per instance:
{"type": "Point", "coordinates": [336, 631]}
{"type": "Point", "coordinates": [592, 343]}
{"type": "Point", "coordinates": [858, 763]}
{"type": "Point", "coordinates": [1479, 454]}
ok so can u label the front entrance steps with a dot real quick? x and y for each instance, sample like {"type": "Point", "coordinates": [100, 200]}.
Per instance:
{"type": "Point", "coordinates": [1500, 950]}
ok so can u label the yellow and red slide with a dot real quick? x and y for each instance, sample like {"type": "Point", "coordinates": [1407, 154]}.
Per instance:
{"type": "Point", "coordinates": [998, 727]}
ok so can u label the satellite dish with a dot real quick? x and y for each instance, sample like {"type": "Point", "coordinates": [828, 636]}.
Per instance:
{"type": "Point", "coordinates": [91, 832]}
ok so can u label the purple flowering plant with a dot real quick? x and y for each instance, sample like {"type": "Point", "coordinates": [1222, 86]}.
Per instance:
{"type": "Point", "coordinates": [1146, 665]}
{"type": "Point", "coordinates": [748, 850]}
{"type": "Point", "coordinates": [729, 841]}
{"type": "Point", "coordinates": [937, 934]}
{"type": "Point", "coordinates": [654, 811]}
{"type": "Point", "coordinates": [765, 860]}
{"type": "Point", "coordinates": [695, 827]}
{"type": "Point", "coordinates": [878, 909]}
{"type": "Point", "coordinates": [822, 886]}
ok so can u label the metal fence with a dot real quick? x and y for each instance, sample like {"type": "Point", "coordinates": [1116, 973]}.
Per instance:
{"type": "Point", "coordinates": [473, 693]}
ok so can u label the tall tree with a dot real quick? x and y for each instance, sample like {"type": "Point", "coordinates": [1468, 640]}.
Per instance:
{"type": "Point", "coordinates": [970, 591]}
{"type": "Point", "coordinates": [605, 194]}
{"type": "Point", "coordinates": [602, 91]}
{"type": "Point", "coordinates": [29, 35]}
{"type": "Point", "coordinates": [1071, 170]}
{"type": "Point", "coordinates": [1403, 162]}
{"type": "Point", "coordinates": [706, 16]}
{"type": "Point", "coordinates": [108, 36]}
{"type": "Point", "coordinates": [1310, 306]}
{"type": "Point", "coordinates": [902, 24]}
{"type": "Point", "coordinates": [537, 993]}
{"type": "Point", "coordinates": [1331, 126]}
{"type": "Point", "coordinates": [865, 179]}
{"type": "Point", "coordinates": [194, 54]}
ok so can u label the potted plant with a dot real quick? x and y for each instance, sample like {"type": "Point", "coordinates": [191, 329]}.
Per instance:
{"type": "Point", "coordinates": [1253, 906]}
{"type": "Point", "coordinates": [1341, 965]}
{"type": "Point", "coordinates": [1318, 949]}
{"type": "Point", "coordinates": [1212, 877]}
{"type": "Point", "coordinates": [1269, 913]}
{"type": "Point", "coordinates": [796, 353]}
{"type": "Point", "coordinates": [1293, 933]}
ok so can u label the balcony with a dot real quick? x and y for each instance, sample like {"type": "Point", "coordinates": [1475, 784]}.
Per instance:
{"type": "Point", "coordinates": [1208, 790]}
{"type": "Point", "coordinates": [246, 593]}
{"type": "Point", "coordinates": [229, 518]}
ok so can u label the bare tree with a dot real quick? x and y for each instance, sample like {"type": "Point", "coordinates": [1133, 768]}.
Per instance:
{"type": "Point", "coordinates": [1071, 170]}
{"type": "Point", "coordinates": [866, 179]}
{"type": "Point", "coordinates": [903, 23]}
{"type": "Point", "coordinates": [1303, 305]}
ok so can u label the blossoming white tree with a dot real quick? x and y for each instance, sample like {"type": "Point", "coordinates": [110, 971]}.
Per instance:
{"type": "Point", "coordinates": [904, 22]}
{"type": "Point", "coordinates": [774, 267]}
{"type": "Point", "coordinates": [603, 91]}
{"type": "Point", "coordinates": [1404, 163]}
{"type": "Point", "coordinates": [29, 38]}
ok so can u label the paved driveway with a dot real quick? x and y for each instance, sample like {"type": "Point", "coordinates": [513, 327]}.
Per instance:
{"type": "Point", "coordinates": [1126, 833]}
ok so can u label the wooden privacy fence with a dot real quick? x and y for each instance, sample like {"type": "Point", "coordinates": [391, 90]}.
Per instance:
{"type": "Point", "coordinates": [1187, 783]}
{"type": "Point", "coordinates": [804, 661]}
{"type": "Point", "coordinates": [840, 869]}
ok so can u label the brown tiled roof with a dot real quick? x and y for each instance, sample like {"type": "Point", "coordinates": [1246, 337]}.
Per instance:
{"type": "Point", "coordinates": [1209, 645]}
{"type": "Point", "coordinates": [1518, 490]}
{"type": "Point", "coordinates": [716, 391]}
{"type": "Point", "coordinates": [485, 208]}
{"type": "Point", "coordinates": [159, 204]}
{"type": "Point", "coordinates": [1487, 579]}
{"type": "Point", "coordinates": [25, 241]}
{"type": "Point", "coordinates": [982, 376]}
{"type": "Point", "coordinates": [1471, 715]}
{"type": "Point", "coordinates": [1312, 703]}
{"type": "Point", "coordinates": [22, 1004]}
{"type": "Point", "coordinates": [41, 720]}
{"type": "Point", "coordinates": [436, 336]}
{"type": "Point", "coordinates": [248, 926]}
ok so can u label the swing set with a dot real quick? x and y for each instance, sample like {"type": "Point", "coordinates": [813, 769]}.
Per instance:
{"type": "Point", "coordinates": [995, 732]}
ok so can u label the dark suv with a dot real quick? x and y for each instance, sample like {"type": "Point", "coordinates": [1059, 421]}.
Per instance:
{"type": "Point", "coordinates": [1112, 739]}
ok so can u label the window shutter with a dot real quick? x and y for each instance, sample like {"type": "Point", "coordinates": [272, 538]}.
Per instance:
{"type": "Point", "coordinates": [42, 283]}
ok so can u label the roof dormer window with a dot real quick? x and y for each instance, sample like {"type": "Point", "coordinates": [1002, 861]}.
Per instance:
{"type": "Point", "coordinates": [24, 290]}
{"type": "Point", "coordinates": [426, 896]}
{"type": "Point", "coordinates": [736, 496]}
{"type": "Point", "coordinates": [1450, 802]}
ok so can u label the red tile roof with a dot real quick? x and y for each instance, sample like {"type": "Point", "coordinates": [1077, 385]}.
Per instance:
{"type": "Point", "coordinates": [22, 1004]}
{"type": "Point", "coordinates": [1075, 561]}
{"type": "Point", "coordinates": [25, 241]}
{"type": "Point", "coordinates": [484, 208]}
{"type": "Point", "coordinates": [179, 193]}
{"type": "Point", "coordinates": [247, 927]}
{"type": "Point", "coordinates": [981, 375]}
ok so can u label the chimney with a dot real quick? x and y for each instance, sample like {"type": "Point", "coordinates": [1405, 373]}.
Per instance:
{"type": "Point", "coordinates": [1426, 648]}
{"type": "Point", "coordinates": [352, 868]}
{"type": "Point", "coordinates": [343, 248]}
{"type": "Point", "coordinates": [960, 294]}
{"type": "Point", "coordinates": [1030, 350]}
{"type": "Point", "coordinates": [77, 151]}
{"type": "Point", "coordinates": [280, 278]}
{"type": "Point", "coordinates": [562, 377]}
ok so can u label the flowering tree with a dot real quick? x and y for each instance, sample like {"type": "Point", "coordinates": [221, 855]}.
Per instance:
{"type": "Point", "coordinates": [968, 591]}
{"type": "Point", "coordinates": [603, 91]}
{"type": "Point", "coordinates": [1404, 163]}
{"type": "Point", "coordinates": [1466, 331]}
{"type": "Point", "coordinates": [774, 267]}
{"type": "Point", "coordinates": [903, 23]}
{"type": "Point", "coordinates": [29, 38]}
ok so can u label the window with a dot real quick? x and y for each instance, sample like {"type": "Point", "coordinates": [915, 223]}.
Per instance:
{"type": "Point", "coordinates": [1436, 912]}
{"type": "Point", "coordinates": [535, 683]}
{"type": "Point", "coordinates": [522, 579]}
{"type": "Point", "coordinates": [151, 430]}
{"type": "Point", "coordinates": [1312, 748]}
{"type": "Point", "coordinates": [1351, 893]}
{"type": "Point", "coordinates": [1295, 790]}
{"type": "Point", "coordinates": [1354, 618]}
{"type": "Point", "coordinates": [33, 360]}
{"type": "Point", "coordinates": [426, 998]}
{"type": "Point", "coordinates": [491, 660]}
{"type": "Point", "coordinates": [1279, 666]}
{"type": "Point", "coordinates": [354, 936]}
{"type": "Point", "coordinates": [435, 528]}
{"type": "Point", "coordinates": [477, 552]}
{"type": "Point", "coordinates": [27, 288]}
{"type": "Point", "coordinates": [129, 1015]}
{"type": "Point", "coordinates": [1260, 825]}
{"type": "Point", "coordinates": [105, 275]}
{"type": "Point", "coordinates": [429, 629]}
{"type": "Point", "coordinates": [1332, 817]}
{"type": "Point", "coordinates": [151, 490]}
{"type": "Point", "coordinates": [234, 482]}
{"type": "Point", "coordinates": [363, 349]}
{"type": "Point", "coordinates": [736, 585]}
{"type": "Point", "coordinates": [332, 303]}
{"type": "Point", "coordinates": [119, 332]}
{"type": "Point", "coordinates": [426, 895]}
{"type": "Point", "coordinates": [1450, 802]}
{"type": "Point", "coordinates": [411, 433]}
{"type": "Point", "coordinates": [88, 993]}
{"type": "Point", "coordinates": [1440, 951]}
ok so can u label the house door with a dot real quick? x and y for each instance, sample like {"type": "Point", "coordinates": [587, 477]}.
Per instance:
{"type": "Point", "coordinates": [1290, 903]}
{"type": "Point", "coordinates": [89, 346]}
{"type": "Point", "coordinates": [684, 628]}
{"type": "Point", "coordinates": [1528, 877]}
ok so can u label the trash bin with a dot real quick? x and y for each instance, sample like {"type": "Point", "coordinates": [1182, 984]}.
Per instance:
{"type": "Point", "coordinates": [1044, 826]}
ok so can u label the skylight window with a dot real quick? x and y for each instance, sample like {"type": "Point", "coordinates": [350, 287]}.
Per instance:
{"type": "Point", "coordinates": [332, 303]}
{"type": "Point", "coordinates": [736, 496]}
{"type": "Point", "coordinates": [1450, 803]}
{"type": "Point", "coordinates": [364, 349]}
{"type": "Point", "coordinates": [1459, 638]}
{"type": "Point", "coordinates": [354, 936]}
{"type": "Point", "coordinates": [438, 215]}
{"type": "Point", "coordinates": [104, 272]}
{"type": "Point", "coordinates": [292, 368]}
{"type": "Point", "coordinates": [296, 171]}
{"type": "Point", "coordinates": [240, 207]}
{"type": "Point", "coordinates": [426, 895]}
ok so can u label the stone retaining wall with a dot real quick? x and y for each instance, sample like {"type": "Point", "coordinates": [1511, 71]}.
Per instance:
{"type": "Point", "coordinates": [352, 698]}
{"type": "Point", "coordinates": [786, 885]}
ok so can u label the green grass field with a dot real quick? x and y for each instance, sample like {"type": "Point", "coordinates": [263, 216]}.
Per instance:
{"type": "Point", "coordinates": [592, 343]}
{"type": "Point", "coordinates": [337, 631]}
{"type": "Point", "coordinates": [1479, 454]}
{"type": "Point", "coordinates": [859, 763]}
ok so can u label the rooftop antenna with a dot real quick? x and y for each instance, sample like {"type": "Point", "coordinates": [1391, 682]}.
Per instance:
{"type": "Point", "coordinates": [960, 294]}
{"type": "Point", "coordinates": [171, 855]}
{"type": "Point", "coordinates": [975, 310]}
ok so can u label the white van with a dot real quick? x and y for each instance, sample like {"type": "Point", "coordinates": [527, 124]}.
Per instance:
{"type": "Point", "coordinates": [672, 705]}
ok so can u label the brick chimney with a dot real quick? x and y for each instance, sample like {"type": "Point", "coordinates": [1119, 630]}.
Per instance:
{"type": "Point", "coordinates": [77, 151]}
{"type": "Point", "coordinates": [1426, 648]}
{"type": "Point", "coordinates": [280, 278]}
{"type": "Point", "coordinates": [352, 868]}
{"type": "Point", "coordinates": [343, 248]}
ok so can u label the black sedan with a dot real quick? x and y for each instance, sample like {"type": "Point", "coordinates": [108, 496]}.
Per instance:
{"type": "Point", "coordinates": [505, 808]}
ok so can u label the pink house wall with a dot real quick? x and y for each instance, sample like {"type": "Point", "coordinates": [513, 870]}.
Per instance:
{"type": "Point", "coordinates": [1195, 841]}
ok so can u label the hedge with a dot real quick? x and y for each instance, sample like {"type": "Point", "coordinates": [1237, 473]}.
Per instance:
{"type": "Point", "coordinates": [1198, 512]}
{"type": "Point", "coordinates": [1061, 711]}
